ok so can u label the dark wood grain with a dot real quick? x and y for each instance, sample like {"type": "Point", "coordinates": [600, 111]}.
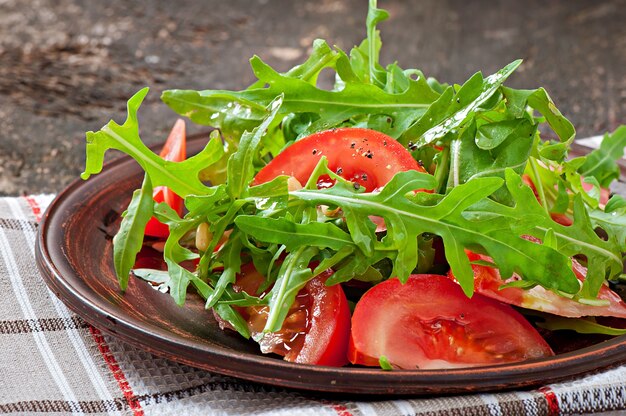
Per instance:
{"type": "Point", "coordinates": [67, 66]}
{"type": "Point", "coordinates": [74, 255]}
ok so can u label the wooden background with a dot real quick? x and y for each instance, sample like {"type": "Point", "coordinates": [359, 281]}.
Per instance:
{"type": "Point", "coordinates": [67, 66]}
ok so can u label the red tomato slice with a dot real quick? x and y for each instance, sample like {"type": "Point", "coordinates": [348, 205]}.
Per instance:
{"type": "Point", "coordinates": [317, 327]}
{"type": "Point", "coordinates": [174, 150]}
{"type": "Point", "coordinates": [487, 281]}
{"type": "Point", "coordinates": [428, 323]}
{"type": "Point", "coordinates": [366, 157]}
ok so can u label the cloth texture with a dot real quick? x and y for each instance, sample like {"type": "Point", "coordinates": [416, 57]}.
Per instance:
{"type": "Point", "coordinates": [51, 361]}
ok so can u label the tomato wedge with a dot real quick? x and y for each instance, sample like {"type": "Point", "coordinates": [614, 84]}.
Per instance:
{"type": "Point", "coordinates": [487, 282]}
{"type": "Point", "coordinates": [366, 157]}
{"type": "Point", "coordinates": [428, 323]}
{"type": "Point", "coordinates": [317, 327]}
{"type": "Point", "coordinates": [174, 150]}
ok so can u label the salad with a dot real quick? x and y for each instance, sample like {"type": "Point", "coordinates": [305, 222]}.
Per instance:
{"type": "Point", "coordinates": [393, 220]}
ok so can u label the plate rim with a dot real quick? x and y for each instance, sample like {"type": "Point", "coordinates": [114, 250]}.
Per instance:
{"type": "Point", "coordinates": [53, 263]}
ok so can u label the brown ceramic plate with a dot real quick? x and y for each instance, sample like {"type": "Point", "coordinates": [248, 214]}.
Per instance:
{"type": "Point", "coordinates": [74, 256]}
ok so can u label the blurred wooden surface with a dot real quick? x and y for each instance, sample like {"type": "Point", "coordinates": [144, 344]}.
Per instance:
{"type": "Point", "coordinates": [67, 66]}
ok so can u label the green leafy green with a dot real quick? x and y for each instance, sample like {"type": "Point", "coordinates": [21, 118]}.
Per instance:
{"type": "Point", "coordinates": [452, 109]}
{"type": "Point", "coordinates": [293, 235]}
{"type": "Point", "coordinates": [468, 160]}
{"type": "Point", "coordinates": [129, 238]}
{"type": "Point", "coordinates": [180, 177]}
{"type": "Point", "coordinates": [293, 274]}
{"type": "Point", "coordinates": [582, 326]}
{"type": "Point", "coordinates": [240, 164]}
{"type": "Point", "coordinates": [384, 363]}
{"type": "Point", "coordinates": [601, 163]}
{"type": "Point", "coordinates": [475, 139]}
{"type": "Point", "coordinates": [491, 231]}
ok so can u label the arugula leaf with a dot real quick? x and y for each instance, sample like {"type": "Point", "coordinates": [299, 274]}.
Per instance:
{"type": "Point", "coordinates": [461, 225]}
{"type": "Point", "coordinates": [355, 99]}
{"type": "Point", "coordinates": [477, 138]}
{"type": "Point", "coordinates": [580, 325]}
{"type": "Point", "coordinates": [322, 56]}
{"type": "Point", "coordinates": [180, 177]}
{"type": "Point", "coordinates": [612, 222]}
{"type": "Point", "coordinates": [530, 218]}
{"type": "Point", "coordinates": [174, 254]}
{"type": "Point", "coordinates": [203, 205]}
{"type": "Point", "coordinates": [231, 253]}
{"type": "Point", "coordinates": [161, 281]}
{"type": "Point", "coordinates": [615, 203]}
{"type": "Point", "coordinates": [519, 100]}
{"type": "Point", "coordinates": [374, 16]}
{"type": "Point", "coordinates": [601, 163]}
{"type": "Point", "coordinates": [158, 277]}
{"type": "Point", "coordinates": [451, 110]}
{"type": "Point", "coordinates": [227, 313]}
{"type": "Point", "coordinates": [240, 163]}
{"type": "Point", "coordinates": [293, 235]}
{"type": "Point", "coordinates": [384, 363]}
{"type": "Point", "coordinates": [129, 239]}
{"type": "Point", "coordinates": [294, 273]}
{"type": "Point", "coordinates": [491, 135]}
{"type": "Point", "coordinates": [469, 160]}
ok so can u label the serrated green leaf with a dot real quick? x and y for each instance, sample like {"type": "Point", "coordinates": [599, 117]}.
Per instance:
{"type": "Point", "coordinates": [601, 163]}
{"type": "Point", "coordinates": [468, 160]}
{"type": "Point", "coordinates": [491, 135]}
{"type": "Point", "coordinates": [354, 99]}
{"type": "Point", "coordinates": [240, 164]}
{"type": "Point", "coordinates": [450, 109]}
{"type": "Point", "coordinates": [362, 231]}
{"type": "Point", "coordinates": [231, 257]}
{"type": "Point", "coordinates": [181, 177]}
{"type": "Point", "coordinates": [202, 205]}
{"type": "Point", "coordinates": [494, 235]}
{"type": "Point", "coordinates": [539, 100]}
{"type": "Point", "coordinates": [293, 275]}
{"type": "Point", "coordinates": [613, 223]}
{"type": "Point", "coordinates": [322, 56]}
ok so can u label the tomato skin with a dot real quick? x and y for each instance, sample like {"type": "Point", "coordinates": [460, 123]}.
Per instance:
{"type": "Point", "coordinates": [363, 156]}
{"type": "Point", "coordinates": [174, 150]}
{"type": "Point", "coordinates": [321, 322]}
{"type": "Point", "coordinates": [328, 301]}
{"type": "Point", "coordinates": [428, 323]}
{"type": "Point", "coordinates": [487, 282]}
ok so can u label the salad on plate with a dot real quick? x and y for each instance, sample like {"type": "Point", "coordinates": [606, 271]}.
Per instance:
{"type": "Point", "coordinates": [392, 220]}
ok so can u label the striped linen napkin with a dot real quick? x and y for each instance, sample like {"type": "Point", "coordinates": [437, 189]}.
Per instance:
{"type": "Point", "coordinates": [51, 361]}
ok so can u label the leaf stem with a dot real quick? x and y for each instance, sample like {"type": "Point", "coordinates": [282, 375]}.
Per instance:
{"type": "Point", "coordinates": [442, 170]}
{"type": "Point", "coordinates": [371, 30]}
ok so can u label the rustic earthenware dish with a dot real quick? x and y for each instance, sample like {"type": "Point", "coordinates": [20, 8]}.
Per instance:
{"type": "Point", "coordinates": [74, 255]}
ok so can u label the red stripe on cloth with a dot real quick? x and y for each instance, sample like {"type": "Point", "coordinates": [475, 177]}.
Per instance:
{"type": "Point", "coordinates": [110, 360]}
{"type": "Point", "coordinates": [337, 407]}
{"type": "Point", "coordinates": [34, 206]}
{"type": "Point", "coordinates": [131, 399]}
{"type": "Point", "coordinates": [341, 410]}
{"type": "Point", "coordinates": [552, 401]}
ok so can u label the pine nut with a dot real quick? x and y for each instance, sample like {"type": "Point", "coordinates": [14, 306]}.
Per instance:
{"type": "Point", "coordinates": [203, 236]}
